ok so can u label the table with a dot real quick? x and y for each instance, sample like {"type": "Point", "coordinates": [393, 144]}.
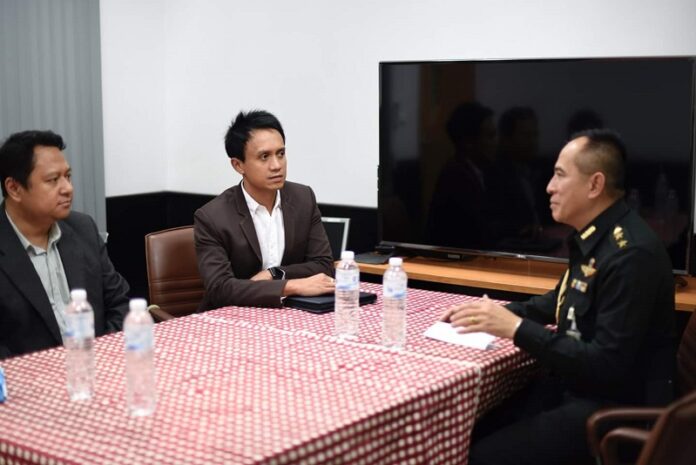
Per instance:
{"type": "Point", "coordinates": [266, 386]}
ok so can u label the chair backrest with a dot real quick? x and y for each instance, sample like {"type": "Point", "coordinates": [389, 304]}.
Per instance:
{"type": "Point", "coordinates": [337, 232]}
{"type": "Point", "coordinates": [671, 440]}
{"type": "Point", "coordinates": [172, 271]}
{"type": "Point", "coordinates": [686, 358]}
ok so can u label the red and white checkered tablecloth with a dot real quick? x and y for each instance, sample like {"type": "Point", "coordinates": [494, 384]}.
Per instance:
{"type": "Point", "coordinates": [244, 390]}
{"type": "Point", "coordinates": [504, 368]}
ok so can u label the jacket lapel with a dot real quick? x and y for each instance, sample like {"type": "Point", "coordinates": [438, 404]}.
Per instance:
{"type": "Point", "coordinates": [71, 256]}
{"type": "Point", "coordinates": [16, 264]}
{"type": "Point", "coordinates": [287, 207]}
{"type": "Point", "coordinates": [246, 223]}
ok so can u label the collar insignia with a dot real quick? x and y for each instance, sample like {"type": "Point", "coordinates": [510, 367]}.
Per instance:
{"type": "Point", "coordinates": [588, 232]}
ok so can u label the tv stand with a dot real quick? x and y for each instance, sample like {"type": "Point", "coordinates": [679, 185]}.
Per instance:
{"type": "Point", "coordinates": [505, 274]}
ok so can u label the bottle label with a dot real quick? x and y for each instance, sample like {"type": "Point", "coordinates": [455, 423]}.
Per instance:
{"type": "Point", "coordinates": [139, 340]}
{"type": "Point", "coordinates": [79, 325]}
{"type": "Point", "coordinates": [395, 289]}
{"type": "Point", "coordinates": [347, 280]}
{"type": "Point", "coordinates": [3, 386]}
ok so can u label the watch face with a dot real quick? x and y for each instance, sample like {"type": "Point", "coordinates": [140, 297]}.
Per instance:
{"type": "Point", "coordinates": [276, 272]}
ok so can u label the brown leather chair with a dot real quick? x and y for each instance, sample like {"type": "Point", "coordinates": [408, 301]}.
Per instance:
{"type": "Point", "coordinates": [672, 439]}
{"type": "Point", "coordinates": [670, 442]}
{"type": "Point", "coordinates": [172, 273]}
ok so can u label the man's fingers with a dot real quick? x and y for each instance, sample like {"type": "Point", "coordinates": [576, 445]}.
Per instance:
{"type": "Point", "coordinates": [447, 314]}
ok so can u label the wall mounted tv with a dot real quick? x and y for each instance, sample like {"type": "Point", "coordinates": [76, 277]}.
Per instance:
{"type": "Point", "coordinates": [510, 119]}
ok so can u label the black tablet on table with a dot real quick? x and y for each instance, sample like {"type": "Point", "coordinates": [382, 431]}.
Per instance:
{"type": "Point", "coordinates": [323, 303]}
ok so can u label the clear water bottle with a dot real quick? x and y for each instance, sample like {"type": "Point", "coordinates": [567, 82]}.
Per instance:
{"type": "Point", "coordinates": [138, 330]}
{"type": "Point", "coordinates": [347, 307]}
{"type": "Point", "coordinates": [394, 287]}
{"type": "Point", "coordinates": [78, 340]}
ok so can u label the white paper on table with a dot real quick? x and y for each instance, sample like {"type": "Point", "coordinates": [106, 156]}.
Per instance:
{"type": "Point", "coordinates": [447, 333]}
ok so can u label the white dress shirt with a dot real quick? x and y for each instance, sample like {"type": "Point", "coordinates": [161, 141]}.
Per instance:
{"type": "Point", "coordinates": [269, 230]}
{"type": "Point", "coordinates": [49, 267]}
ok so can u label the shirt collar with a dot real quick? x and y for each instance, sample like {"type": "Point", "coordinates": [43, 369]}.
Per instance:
{"type": "Point", "coordinates": [54, 235]}
{"type": "Point", "coordinates": [253, 204]}
{"type": "Point", "coordinates": [589, 236]}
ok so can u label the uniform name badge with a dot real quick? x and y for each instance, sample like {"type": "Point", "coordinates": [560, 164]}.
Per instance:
{"type": "Point", "coordinates": [573, 331]}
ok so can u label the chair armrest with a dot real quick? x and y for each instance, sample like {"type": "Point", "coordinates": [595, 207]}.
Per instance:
{"type": "Point", "coordinates": [612, 439]}
{"type": "Point", "coordinates": [600, 422]}
{"type": "Point", "coordinates": [158, 314]}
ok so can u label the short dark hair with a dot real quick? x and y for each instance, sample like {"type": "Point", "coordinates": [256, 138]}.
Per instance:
{"type": "Point", "coordinates": [466, 121]}
{"type": "Point", "coordinates": [604, 152]}
{"type": "Point", "coordinates": [240, 130]}
{"type": "Point", "coordinates": [17, 154]}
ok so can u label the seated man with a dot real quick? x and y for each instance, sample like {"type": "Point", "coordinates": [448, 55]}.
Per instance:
{"type": "Point", "coordinates": [614, 310]}
{"type": "Point", "coordinates": [46, 250]}
{"type": "Point", "coordinates": [262, 239]}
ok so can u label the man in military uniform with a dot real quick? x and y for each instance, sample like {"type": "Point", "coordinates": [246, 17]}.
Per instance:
{"type": "Point", "coordinates": [614, 340]}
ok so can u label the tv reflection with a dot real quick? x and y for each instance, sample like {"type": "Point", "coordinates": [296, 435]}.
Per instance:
{"type": "Point", "coordinates": [488, 195]}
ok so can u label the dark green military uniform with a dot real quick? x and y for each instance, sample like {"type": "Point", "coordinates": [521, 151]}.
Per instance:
{"type": "Point", "coordinates": [614, 342]}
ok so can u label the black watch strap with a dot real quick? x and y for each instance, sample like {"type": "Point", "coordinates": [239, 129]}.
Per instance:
{"type": "Point", "coordinates": [276, 273]}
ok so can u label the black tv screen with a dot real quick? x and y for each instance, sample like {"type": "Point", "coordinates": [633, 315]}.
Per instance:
{"type": "Point", "coordinates": [468, 147]}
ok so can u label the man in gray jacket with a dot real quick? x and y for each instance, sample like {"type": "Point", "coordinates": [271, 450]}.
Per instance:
{"type": "Point", "coordinates": [46, 250]}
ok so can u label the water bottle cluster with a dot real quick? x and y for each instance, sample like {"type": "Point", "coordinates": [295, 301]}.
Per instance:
{"type": "Point", "coordinates": [78, 340]}
{"type": "Point", "coordinates": [347, 305]}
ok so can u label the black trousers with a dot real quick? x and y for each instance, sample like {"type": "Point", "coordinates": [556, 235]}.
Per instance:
{"type": "Point", "coordinates": [542, 424]}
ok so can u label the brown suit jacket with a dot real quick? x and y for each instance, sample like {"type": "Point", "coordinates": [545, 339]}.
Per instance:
{"type": "Point", "coordinates": [229, 253]}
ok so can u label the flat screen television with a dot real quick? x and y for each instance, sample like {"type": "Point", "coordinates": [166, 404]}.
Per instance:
{"type": "Point", "coordinates": [468, 147]}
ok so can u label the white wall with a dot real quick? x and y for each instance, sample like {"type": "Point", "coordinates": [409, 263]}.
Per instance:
{"type": "Point", "coordinates": [176, 72]}
{"type": "Point", "coordinates": [133, 39]}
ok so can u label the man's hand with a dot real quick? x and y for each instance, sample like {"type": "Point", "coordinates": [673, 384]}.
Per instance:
{"type": "Point", "coordinates": [314, 285]}
{"type": "Point", "coordinates": [263, 275]}
{"type": "Point", "coordinates": [483, 315]}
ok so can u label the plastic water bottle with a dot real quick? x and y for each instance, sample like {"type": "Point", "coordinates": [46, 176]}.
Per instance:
{"type": "Point", "coordinates": [138, 330]}
{"type": "Point", "coordinates": [78, 340]}
{"type": "Point", "coordinates": [394, 287]}
{"type": "Point", "coordinates": [347, 307]}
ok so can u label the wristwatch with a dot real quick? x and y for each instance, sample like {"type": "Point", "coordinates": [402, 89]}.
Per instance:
{"type": "Point", "coordinates": [276, 273]}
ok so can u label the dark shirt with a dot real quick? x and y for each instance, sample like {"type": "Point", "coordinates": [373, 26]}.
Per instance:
{"type": "Point", "coordinates": [619, 292]}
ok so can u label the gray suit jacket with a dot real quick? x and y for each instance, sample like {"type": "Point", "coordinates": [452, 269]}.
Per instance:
{"type": "Point", "coordinates": [229, 253]}
{"type": "Point", "coordinates": [27, 322]}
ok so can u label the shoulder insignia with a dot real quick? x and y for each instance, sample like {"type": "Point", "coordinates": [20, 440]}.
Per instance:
{"type": "Point", "coordinates": [588, 232]}
{"type": "Point", "coordinates": [619, 237]}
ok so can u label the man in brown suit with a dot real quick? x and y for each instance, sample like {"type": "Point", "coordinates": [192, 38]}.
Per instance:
{"type": "Point", "coordinates": [262, 239]}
